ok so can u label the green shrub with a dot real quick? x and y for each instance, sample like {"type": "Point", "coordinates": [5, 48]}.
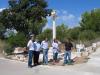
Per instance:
{"type": "Point", "coordinates": [8, 49]}
{"type": "Point", "coordinates": [18, 40]}
{"type": "Point", "coordinates": [87, 35]}
{"type": "Point", "coordinates": [15, 41]}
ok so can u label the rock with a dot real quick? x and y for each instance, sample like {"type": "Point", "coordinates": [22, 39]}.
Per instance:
{"type": "Point", "coordinates": [98, 44]}
{"type": "Point", "coordinates": [19, 53]}
{"type": "Point", "coordinates": [79, 60]}
{"type": "Point", "coordinates": [18, 50]}
{"type": "Point", "coordinates": [85, 53]}
{"type": "Point", "coordinates": [75, 54]}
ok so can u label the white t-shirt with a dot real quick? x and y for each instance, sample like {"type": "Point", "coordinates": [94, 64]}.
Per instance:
{"type": "Point", "coordinates": [55, 47]}
{"type": "Point", "coordinates": [31, 45]}
{"type": "Point", "coordinates": [38, 46]}
{"type": "Point", "coordinates": [44, 45]}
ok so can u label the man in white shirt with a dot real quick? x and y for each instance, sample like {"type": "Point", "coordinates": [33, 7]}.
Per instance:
{"type": "Point", "coordinates": [37, 52]}
{"type": "Point", "coordinates": [45, 48]}
{"type": "Point", "coordinates": [31, 48]}
{"type": "Point", "coordinates": [55, 46]}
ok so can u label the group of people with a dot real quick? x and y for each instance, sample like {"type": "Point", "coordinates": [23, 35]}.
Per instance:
{"type": "Point", "coordinates": [34, 46]}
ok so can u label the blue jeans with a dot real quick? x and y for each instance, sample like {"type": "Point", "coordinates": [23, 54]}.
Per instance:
{"type": "Point", "coordinates": [55, 56]}
{"type": "Point", "coordinates": [45, 56]}
{"type": "Point", "coordinates": [30, 52]}
{"type": "Point", "coordinates": [67, 56]}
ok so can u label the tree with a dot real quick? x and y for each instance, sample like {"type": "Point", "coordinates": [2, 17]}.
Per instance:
{"type": "Point", "coordinates": [47, 33]}
{"type": "Point", "coordinates": [87, 35]}
{"type": "Point", "coordinates": [74, 33]}
{"type": "Point", "coordinates": [91, 20]}
{"type": "Point", "coordinates": [62, 31]}
{"type": "Point", "coordinates": [2, 29]}
{"type": "Point", "coordinates": [25, 15]}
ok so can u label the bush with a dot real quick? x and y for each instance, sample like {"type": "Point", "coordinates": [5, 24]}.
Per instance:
{"type": "Point", "coordinates": [18, 40]}
{"type": "Point", "coordinates": [15, 41]}
{"type": "Point", "coordinates": [87, 35]}
{"type": "Point", "coordinates": [8, 49]}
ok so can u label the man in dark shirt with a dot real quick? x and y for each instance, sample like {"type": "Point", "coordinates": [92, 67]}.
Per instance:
{"type": "Point", "coordinates": [67, 54]}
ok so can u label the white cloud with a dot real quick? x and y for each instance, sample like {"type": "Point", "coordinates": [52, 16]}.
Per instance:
{"type": "Point", "coordinates": [70, 17]}
{"type": "Point", "coordinates": [65, 17]}
{"type": "Point", "coordinates": [1, 9]}
{"type": "Point", "coordinates": [64, 12]}
{"type": "Point", "coordinates": [79, 18]}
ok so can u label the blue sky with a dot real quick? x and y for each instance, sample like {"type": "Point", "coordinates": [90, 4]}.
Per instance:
{"type": "Point", "coordinates": [68, 11]}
